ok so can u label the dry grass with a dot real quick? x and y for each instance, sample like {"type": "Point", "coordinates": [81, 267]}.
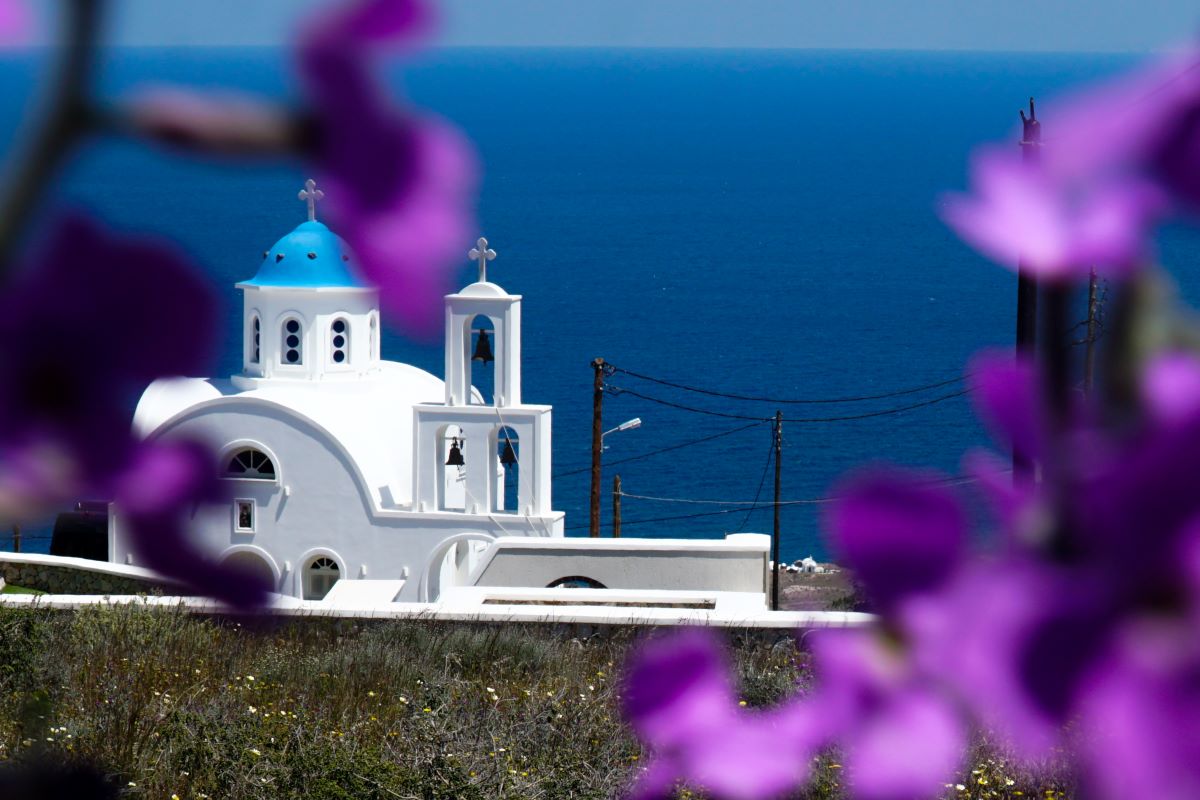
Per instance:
{"type": "Point", "coordinates": [169, 704]}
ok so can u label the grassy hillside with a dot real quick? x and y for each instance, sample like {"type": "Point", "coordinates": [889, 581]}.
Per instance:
{"type": "Point", "coordinates": [170, 705]}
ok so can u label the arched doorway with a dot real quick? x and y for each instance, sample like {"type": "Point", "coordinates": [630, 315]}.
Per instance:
{"type": "Point", "coordinates": [253, 566]}
{"type": "Point", "coordinates": [320, 574]}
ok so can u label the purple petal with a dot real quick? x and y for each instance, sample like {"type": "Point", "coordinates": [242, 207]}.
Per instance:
{"type": "Point", "coordinates": [164, 486]}
{"type": "Point", "coordinates": [900, 534]}
{"type": "Point", "coordinates": [676, 685]}
{"type": "Point", "coordinates": [989, 636]}
{"type": "Point", "coordinates": [910, 748]}
{"type": "Point", "coordinates": [14, 22]}
{"type": "Point", "coordinates": [1020, 215]}
{"type": "Point", "coordinates": [354, 23]}
{"type": "Point", "coordinates": [132, 310]}
{"type": "Point", "coordinates": [1007, 397]}
{"type": "Point", "coordinates": [678, 699]}
{"type": "Point", "coordinates": [400, 187]}
{"type": "Point", "coordinates": [1139, 718]}
{"type": "Point", "coordinates": [1170, 387]}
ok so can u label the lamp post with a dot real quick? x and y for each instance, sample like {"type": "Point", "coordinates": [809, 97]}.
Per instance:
{"type": "Point", "coordinates": [627, 425]}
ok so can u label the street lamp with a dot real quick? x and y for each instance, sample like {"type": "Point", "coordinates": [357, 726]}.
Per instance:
{"type": "Point", "coordinates": [627, 425]}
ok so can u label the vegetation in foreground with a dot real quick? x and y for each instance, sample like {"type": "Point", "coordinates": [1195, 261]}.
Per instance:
{"type": "Point", "coordinates": [171, 705]}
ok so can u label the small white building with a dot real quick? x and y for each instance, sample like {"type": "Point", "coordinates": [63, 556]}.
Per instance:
{"type": "Point", "coordinates": [344, 465]}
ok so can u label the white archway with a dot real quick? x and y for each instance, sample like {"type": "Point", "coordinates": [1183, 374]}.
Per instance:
{"type": "Point", "coordinates": [430, 574]}
{"type": "Point", "coordinates": [255, 561]}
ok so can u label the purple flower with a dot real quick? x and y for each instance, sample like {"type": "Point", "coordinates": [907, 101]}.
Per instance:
{"type": "Point", "coordinates": [14, 22]}
{"type": "Point", "coordinates": [899, 534]}
{"type": "Point", "coordinates": [89, 321]}
{"type": "Point", "coordinates": [156, 496]}
{"type": "Point", "coordinates": [1138, 717]}
{"type": "Point", "coordinates": [679, 700]}
{"type": "Point", "coordinates": [1059, 231]}
{"type": "Point", "coordinates": [1171, 387]}
{"type": "Point", "coordinates": [1146, 123]}
{"type": "Point", "coordinates": [902, 736]}
{"type": "Point", "coordinates": [399, 185]}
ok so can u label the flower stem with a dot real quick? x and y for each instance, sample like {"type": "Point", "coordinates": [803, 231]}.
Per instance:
{"type": "Point", "coordinates": [64, 123]}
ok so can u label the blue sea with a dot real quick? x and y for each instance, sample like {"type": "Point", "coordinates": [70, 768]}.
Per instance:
{"type": "Point", "coordinates": [760, 223]}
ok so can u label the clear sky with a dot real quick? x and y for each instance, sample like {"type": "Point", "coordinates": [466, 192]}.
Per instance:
{"type": "Point", "coordinates": [1054, 25]}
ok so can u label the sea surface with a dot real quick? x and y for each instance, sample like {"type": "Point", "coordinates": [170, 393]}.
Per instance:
{"type": "Point", "coordinates": [759, 223]}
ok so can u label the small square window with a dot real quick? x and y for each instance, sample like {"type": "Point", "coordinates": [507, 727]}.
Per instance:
{"type": "Point", "coordinates": [243, 516]}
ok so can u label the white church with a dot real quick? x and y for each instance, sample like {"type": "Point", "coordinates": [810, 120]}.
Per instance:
{"type": "Point", "coordinates": [356, 476]}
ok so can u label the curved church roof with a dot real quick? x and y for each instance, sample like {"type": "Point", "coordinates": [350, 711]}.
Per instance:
{"type": "Point", "coordinates": [310, 257]}
{"type": "Point", "coordinates": [365, 417]}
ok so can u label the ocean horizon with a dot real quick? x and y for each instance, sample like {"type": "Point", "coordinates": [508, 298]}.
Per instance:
{"type": "Point", "coordinates": [749, 222]}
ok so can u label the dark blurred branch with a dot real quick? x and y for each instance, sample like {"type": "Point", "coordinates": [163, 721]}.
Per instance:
{"type": "Point", "coordinates": [66, 120]}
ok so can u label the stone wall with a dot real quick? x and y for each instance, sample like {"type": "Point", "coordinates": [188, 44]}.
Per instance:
{"type": "Point", "coordinates": [64, 579]}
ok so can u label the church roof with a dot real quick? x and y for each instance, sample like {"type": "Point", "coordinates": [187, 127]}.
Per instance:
{"type": "Point", "coordinates": [310, 257]}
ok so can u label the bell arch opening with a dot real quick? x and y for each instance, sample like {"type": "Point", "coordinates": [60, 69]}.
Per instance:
{"type": "Point", "coordinates": [452, 467]}
{"type": "Point", "coordinates": [480, 338]}
{"type": "Point", "coordinates": [506, 470]}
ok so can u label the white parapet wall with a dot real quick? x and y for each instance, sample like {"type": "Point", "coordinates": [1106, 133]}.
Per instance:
{"type": "Point", "coordinates": [738, 563]}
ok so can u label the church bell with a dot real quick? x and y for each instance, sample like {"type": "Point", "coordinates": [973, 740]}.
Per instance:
{"type": "Point", "coordinates": [483, 348]}
{"type": "Point", "coordinates": [508, 456]}
{"type": "Point", "coordinates": [455, 459]}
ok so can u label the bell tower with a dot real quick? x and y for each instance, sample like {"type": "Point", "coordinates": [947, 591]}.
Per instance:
{"type": "Point", "coordinates": [482, 459]}
{"type": "Point", "coordinates": [485, 299]}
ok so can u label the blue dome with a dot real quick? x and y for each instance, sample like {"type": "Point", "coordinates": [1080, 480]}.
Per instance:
{"type": "Point", "coordinates": [311, 256]}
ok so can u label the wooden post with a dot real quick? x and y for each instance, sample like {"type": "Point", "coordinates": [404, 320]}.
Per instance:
{"type": "Point", "coordinates": [597, 443]}
{"type": "Point", "coordinates": [775, 533]}
{"type": "Point", "coordinates": [616, 506]}
{"type": "Point", "coordinates": [1089, 356]}
{"type": "Point", "coordinates": [1027, 290]}
{"type": "Point", "coordinates": [16, 538]}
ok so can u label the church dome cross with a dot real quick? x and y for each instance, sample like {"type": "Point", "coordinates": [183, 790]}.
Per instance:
{"type": "Point", "coordinates": [311, 195]}
{"type": "Point", "coordinates": [483, 254]}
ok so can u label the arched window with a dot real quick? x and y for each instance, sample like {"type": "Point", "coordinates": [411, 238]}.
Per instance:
{"type": "Point", "coordinates": [374, 344]}
{"type": "Point", "coordinates": [291, 343]}
{"type": "Point", "coordinates": [255, 339]}
{"type": "Point", "coordinates": [339, 341]}
{"type": "Point", "coordinates": [319, 578]}
{"type": "Point", "coordinates": [250, 464]}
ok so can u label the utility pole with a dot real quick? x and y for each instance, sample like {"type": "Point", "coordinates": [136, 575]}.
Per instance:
{"type": "Point", "coordinates": [1089, 356]}
{"type": "Point", "coordinates": [1027, 294]}
{"type": "Point", "coordinates": [775, 534]}
{"type": "Point", "coordinates": [1027, 290]}
{"type": "Point", "coordinates": [16, 538]}
{"type": "Point", "coordinates": [616, 506]}
{"type": "Point", "coordinates": [597, 442]}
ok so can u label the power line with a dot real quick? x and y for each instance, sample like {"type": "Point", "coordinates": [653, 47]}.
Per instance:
{"type": "Point", "coordinates": [662, 450]}
{"type": "Point", "coordinates": [957, 480]}
{"type": "Point", "coordinates": [619, 390]}
{"type": "Point", "coordinates": [757, 492]}
{"type": "Point", "coordinates": [791, 401]}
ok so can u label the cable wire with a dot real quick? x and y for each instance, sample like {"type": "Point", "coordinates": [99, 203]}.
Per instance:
{"type": "Point", "coordinates": [790, 401]}
{"type": "Point", "coordinates": [757, 492]}
{"type": "Point", "coordinates": [619, 390]}
{"type": "Point", "coordinates": [662, 450]}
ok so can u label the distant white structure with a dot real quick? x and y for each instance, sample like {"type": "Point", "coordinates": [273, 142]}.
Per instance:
{"type": "Point", "coordinates": [347, 467]}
